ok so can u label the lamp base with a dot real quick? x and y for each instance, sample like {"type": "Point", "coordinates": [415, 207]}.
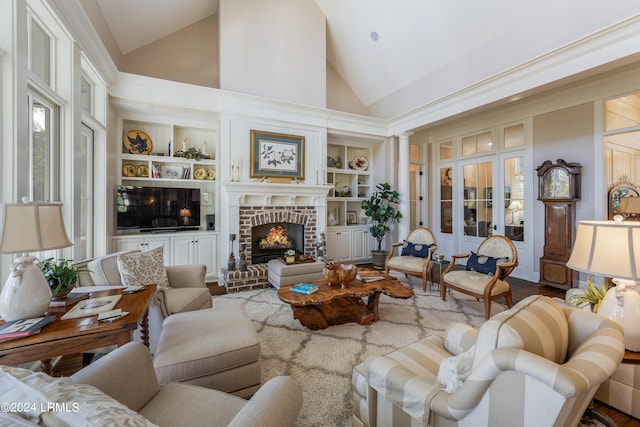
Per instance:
{"type": "Point", "coordinates": [26, 293]}
{"type": "Point", "coordinates": [623, 307]}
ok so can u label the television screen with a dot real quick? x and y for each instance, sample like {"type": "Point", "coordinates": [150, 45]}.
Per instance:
{"type": "Point", "coordinates": [157, 208]}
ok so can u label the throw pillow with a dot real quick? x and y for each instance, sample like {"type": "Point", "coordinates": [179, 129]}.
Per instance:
{"type": "Point", "coordinates": [454, 370]}
{"type": "Point", "coordinates": [143, 268]}
{"type": "Point", "coordinates": [484, 264]}
{"type": "Point", "coordinates": [415, 249]}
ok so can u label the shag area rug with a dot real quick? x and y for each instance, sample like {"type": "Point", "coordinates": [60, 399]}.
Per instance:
{"type": "Point", "coordinates": [322, 361]}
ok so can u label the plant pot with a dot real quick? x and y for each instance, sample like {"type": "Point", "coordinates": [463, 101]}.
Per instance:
{"type": "Point", "coordinates": [62, 294]}
{"type": "Point", "coordinates": [378, 259]}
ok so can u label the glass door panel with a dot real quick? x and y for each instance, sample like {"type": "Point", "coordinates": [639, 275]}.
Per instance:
{"type": "Point", "coordinates": [514, 198]}
{"type": "Point", "coordinates": [446, 200]}
{"type": "Point", "coordinates": [478, 199]}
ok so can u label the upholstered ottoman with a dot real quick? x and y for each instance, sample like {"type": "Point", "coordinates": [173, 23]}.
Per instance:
{"type": "Point", "coordinates": [216, 348]}
{"type": "Point", "coordinates": [283, 274]}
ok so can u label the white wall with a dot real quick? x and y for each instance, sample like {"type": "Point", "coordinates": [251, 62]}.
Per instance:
{"type": "Point", "coordinates": [274, 49]}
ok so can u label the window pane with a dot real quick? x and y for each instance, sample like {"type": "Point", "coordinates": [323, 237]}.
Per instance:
{"type": "Point", "coordinates": [470, 200]}
{"type": "Point", "coordinates": [484, 142]}
{"type": "Point", "coordinates": [622, 112]}
{"type": "Point", "coordinates": [40, 151]}
{"type": "Point", "coordinates": [40, 53]}
{"type": "Point", "coordinates": [514, 136]}
{"type": "Point", "coordinates": [468, 145]}
{"type": "Point", "coordinates": [514, 198]}
{"type": "Point", "coordinates": [446, 200]}
{"type": "Point", "coordinates": [446, 150]}
{"type": "Point", "coordinates": [85, 95]}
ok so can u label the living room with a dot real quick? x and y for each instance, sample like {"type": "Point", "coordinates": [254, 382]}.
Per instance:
{"type": "Point", "coordinates": [229, 76]}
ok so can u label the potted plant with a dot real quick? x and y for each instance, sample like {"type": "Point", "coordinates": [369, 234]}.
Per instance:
{"type": "Point", "coordinates": [591, 295]}
{"type": "Point", "coordinates": [381, 210]}
{"type": "Point", "coordinates": [60, 275]}
{"type": "Point", "coordinates": [290, 256]}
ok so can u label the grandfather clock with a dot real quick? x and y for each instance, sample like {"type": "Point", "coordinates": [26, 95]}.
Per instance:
{"type": "Point", "coordinates": [559, 190]}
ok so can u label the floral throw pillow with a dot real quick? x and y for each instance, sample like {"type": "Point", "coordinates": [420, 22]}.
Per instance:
{"type": "Point", "coordinates": [143, 268]}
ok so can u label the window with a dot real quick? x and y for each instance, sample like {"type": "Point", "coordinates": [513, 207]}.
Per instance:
{"type": "Point", "coordinates": [514, 198]}
{"type": "Point", "coordinates": [478, 199]}
{"type": "Point", "coordinates": [446, 200]}
{"type": "Point", "coordinates": [84, 203]}
{"type": "Point", "coordinates": [43, 149]}
{"type": "Point", "coordinates": [622, 137]}
{"type": "Point", "coordinates": [478, 143]}
{"type": "Point", "coordinates": [40, 52]}
{"type": "Point", "coordinates": [446, 150]}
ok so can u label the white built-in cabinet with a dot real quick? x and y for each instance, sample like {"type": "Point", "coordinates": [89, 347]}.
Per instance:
{"type": "Point", "coordinates": [349, 167]}
{"type": "Point", "coordinates": [172, 153]}
{"type": "Point", "coordinates": [179, 248]}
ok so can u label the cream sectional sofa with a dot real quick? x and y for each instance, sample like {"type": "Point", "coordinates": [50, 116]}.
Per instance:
{"type": "Point", "coordinates": [187, 289]}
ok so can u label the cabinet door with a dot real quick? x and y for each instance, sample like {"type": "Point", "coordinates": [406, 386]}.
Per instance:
{"type": "Point", "coordinates": [181, 250]}
{"type": "Point", "coordinates": [129, 244]}
{"type": "Point", "coordinates": [359, 244]}
{"type": "Point", "coordinates": [339, 245]}
{"type": "Point", "coordinates": [204, 253]}
{"type": "Point", "coordinates": [155, 242]}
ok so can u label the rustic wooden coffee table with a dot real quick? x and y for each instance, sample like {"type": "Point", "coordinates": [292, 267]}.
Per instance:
{"type": "Point", "coordinates": [333, 305]}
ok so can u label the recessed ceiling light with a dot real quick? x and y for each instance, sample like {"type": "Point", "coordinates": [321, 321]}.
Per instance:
{"type": "Point", "coordinates": [374, 36]}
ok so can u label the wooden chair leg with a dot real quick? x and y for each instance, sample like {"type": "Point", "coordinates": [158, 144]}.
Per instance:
{"type": "Point", "coordinates": [508, 299]}
{"type": "Point", "coordinates": [487, 308]}
{"type": "Point", "coordinates": [443, 291]}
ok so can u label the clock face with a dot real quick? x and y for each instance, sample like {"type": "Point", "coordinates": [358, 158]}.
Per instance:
{"type": "Point", "coordinates": [555, 184]}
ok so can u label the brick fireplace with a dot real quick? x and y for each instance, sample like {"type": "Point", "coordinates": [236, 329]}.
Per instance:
{"type": "Point", "coordinates": [256, 204]}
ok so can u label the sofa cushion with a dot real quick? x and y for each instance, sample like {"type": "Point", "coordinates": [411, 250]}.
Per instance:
{"type": "Point", "coordinates": [416, 249]}
{"type": "Point", "coordinates": [200, 343]}
{"type": "Point", "coordinates": [483, 263]}
{"type": "Point", "coordinates": [180, 300]}
{"type": "Point", "coordinates": [143, 268]}
{"type": "Point", "coordinates": [536, 324]}
{"type": "Point", "coordinates": [104, 270]}
{"type": "Point", "coordinates": [410, 263]}
{"type": "Point", "coordinates": [73, 404]}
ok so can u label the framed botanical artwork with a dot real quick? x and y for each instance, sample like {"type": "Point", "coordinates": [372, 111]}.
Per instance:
{"type": "Point", "coordinates": [276, 155]}
{"type": "Point", "coordinates": [351, 217]}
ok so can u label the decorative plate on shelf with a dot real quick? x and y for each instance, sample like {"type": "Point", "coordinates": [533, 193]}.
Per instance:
{"type": "Point", "coordinates": [199, 173]}
{"type": "Point", "coordinates": [128, 170]}
{"type": "Point", "coordinates": [211, 174]}
{"type": "Point", "coordinates": [137, 142]}
{"type": "Point", "coordinates": [143, 171]}
{"type": "Point", "coordinates": [359, 163]}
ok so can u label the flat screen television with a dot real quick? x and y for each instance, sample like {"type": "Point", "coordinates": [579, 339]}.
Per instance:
{"type": "Point", "coordinates": [157, 209]}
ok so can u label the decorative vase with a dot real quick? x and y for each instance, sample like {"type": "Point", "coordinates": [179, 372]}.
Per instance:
{"type": "Point", "coordinates": [290, 259]}
{"type": "Point", "coordinates": [26, 293]}
{"type": "Point", "coordinates": [378, 259]}
{"type": "Point", "coordinates": [331, 219]}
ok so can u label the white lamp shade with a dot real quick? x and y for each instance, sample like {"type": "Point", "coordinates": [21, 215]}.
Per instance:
{"type": "Point", "coordinates": [607, 248]}
{"type": "Point", "coordinates": [31, 227]}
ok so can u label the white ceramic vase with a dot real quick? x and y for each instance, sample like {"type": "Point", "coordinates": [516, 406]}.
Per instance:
{"type": "Point", "coordinates": [26, 293]}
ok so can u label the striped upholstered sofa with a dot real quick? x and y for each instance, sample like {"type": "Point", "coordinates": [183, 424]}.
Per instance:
{"type": "Point", "coordinates": [537, 364]}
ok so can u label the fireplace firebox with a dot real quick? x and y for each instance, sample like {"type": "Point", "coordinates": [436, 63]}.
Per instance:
{"type": "Point", "coordinates": [270, 241]}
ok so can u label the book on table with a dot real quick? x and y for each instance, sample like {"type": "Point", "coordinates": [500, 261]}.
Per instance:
{"type": "Point", "coordinates": [367, 279]}
{"type": "Point", "coordinates": [304, 288]}
{"type": "Point", "coordinates": [23, 327]}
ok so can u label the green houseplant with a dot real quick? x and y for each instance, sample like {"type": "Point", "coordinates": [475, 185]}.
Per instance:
{"type": "Point", "coordinates": [381, 210]}
{"type": "Point", "coordinates": [60, 275]}
{"type": "Point", "coordinates": [591, 295]}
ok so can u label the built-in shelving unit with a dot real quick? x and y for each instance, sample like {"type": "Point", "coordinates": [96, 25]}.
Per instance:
{"type": "Point", "coordinates": [349, 174]}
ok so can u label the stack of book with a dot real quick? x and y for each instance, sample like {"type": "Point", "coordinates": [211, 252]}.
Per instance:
{"type": "Point", "coordinates": [304, 288]}
{"type": "Point", "coordinates": [23, 327]}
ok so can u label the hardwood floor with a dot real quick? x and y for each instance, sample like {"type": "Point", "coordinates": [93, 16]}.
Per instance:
{"type": "Point", "coordinates": [520, 289]}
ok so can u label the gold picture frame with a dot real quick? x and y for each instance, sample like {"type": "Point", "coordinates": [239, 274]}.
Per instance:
{"type": "Point", "coordinates": [277, 155]}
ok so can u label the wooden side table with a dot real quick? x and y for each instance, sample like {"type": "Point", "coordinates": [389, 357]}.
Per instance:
{"type": "Point", "coordinates": [63, 337]}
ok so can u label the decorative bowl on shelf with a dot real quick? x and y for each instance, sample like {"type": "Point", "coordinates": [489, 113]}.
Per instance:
{"type": "Point", "coordinates": [340, 274]}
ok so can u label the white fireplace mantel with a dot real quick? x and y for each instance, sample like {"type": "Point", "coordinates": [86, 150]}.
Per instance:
{"type": "Point", "coordinates": [267, 194]}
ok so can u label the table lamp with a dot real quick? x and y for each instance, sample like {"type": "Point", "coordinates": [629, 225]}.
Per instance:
{"type": "Point", "coordinates": [612, 249]}
{"type": "Point", "coordinates": [515, 206]}
{"type": "Point", "coordinates": [185, 213]}
{"type": "Point", "coordinates": [28, 227]}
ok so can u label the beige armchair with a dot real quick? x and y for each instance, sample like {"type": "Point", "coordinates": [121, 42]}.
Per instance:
{"type": "Point", "coordinates": [187, 288]}
{"type": "Point", "coordinates": [485, 272]}
{"type": "Point", "coordinates": [414, 255]}
{"type": "Point", "coordinates": [537, 364]}
{"type": "Point", "coordinates": [128, 376]}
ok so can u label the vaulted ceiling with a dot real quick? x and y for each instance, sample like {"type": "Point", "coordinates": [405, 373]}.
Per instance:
{"type": "Point", "coordinates": [408, 52]}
